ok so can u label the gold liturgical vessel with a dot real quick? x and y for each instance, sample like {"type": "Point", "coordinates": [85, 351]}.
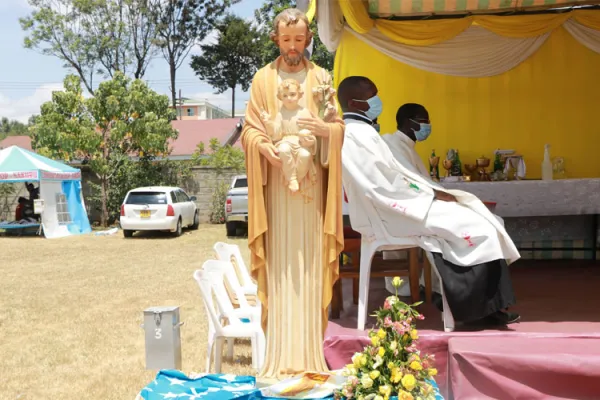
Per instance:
{"type": "Point", "coordinates": [482, 164]}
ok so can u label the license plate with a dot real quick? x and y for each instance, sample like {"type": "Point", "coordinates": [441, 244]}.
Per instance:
{"type": "Point", "coordinates": [145, 214]}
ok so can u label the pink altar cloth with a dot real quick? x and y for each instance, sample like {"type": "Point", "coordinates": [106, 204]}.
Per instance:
{"type": "Point", "coordinates": [341, 343]}
{"type": "Point", "coordinates": [524, 368]}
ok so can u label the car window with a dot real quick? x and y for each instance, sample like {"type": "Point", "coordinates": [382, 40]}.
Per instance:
{"type": "Point", "coordinates": [147, 198]}
{"type": "Point", "coordinates": [173, 198]}
{"type": "Point", "coordinates": [184, 196]}
{"type": "Point", "coordinates": [240, 183]}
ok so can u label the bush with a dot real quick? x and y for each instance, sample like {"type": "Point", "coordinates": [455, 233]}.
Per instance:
{"type": "Point", "coordinates": [217, 211]}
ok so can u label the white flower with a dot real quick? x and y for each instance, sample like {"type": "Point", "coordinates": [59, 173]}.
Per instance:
{"type": "Point", "coordinates": [366, 382]}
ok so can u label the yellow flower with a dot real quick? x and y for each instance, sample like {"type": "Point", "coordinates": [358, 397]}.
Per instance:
{"type": "Point", "coordinates": [393, 345]}
{"type": "Point", "coordinates": [381, 333]}
{"type": "Point", "coordinates": [416, 366]}
{"type": "Point", "coordinates": [357, 359]}
{"type": "Point", "coordinates": [396, 281]}
{"type": "Point", "coordinates": [381, 352]}
{"type": "Point", "coordinates": [391, 365]}
{"type": "Point", "coordinates": [396, 375]}
{"type": "Point", "coordinates": [402, 395]}
{"type": "Point", "coordinates": [366, 382]}
{"type": "Point", "coordinates": [405, 337]}
{"type": "Point", "coordinates": [432, 371]}
{"type": "Point", "coordinates": [374, 374]}
{"type": "Point", "coordinates": [375, 340]}
{"type": "Point", "coordinates": [385, 390]}
{"type": "Point", "coordinates": [409, 382]}
{"type": "Point", "coordinates": [350, 370]}
{"type": "Point", "coordinates": [414, 334]}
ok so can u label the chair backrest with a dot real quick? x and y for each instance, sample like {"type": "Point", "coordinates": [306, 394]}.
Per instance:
{"type": "Point", "coordinates": [232, 287]}
{"type": "Point", "coordinates": [231, 253]}
{"type": "Point", "coordinates": [204, 280]}
{"type": "Point", "coordinates": [216, 270]}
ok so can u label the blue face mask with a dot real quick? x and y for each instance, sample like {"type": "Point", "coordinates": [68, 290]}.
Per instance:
{"type": "Point", "coordinates": [423, 132]}
{"type": "Point", "coordinates": [375, 107]}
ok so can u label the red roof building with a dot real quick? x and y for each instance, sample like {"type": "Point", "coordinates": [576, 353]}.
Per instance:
{"type": "Point", "coordinates": [23, 142]}
{"type": "Point", "coordinates": [191, 133]}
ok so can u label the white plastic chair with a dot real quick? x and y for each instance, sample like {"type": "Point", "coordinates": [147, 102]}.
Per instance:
{"type": "Point", "coordinates": [211, 282]}
{"type": "Point", "coordinates": [245, 311]}
{"type": "Point", "coordinates": [447, 316]}
{"type": "Point", "coordinates": [368, 248]}
{"type": "Point", "coordinates": [231, 253]}
{"type": "Point", "coordinates": [374, 239]}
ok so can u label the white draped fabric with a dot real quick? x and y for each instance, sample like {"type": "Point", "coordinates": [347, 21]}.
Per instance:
{"type": "Point", "coordinates": [588, 37]}
{"type": "Point", "coordinates": [474, 53]}
{"type": "Point", "coordinates": [330, 23]}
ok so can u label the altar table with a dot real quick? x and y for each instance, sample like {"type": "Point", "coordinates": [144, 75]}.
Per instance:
{"type": "Point", "coordinates": [556, 217]}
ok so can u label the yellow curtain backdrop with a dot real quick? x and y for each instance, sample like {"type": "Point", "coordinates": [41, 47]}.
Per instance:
{"type": "Point", "coordinates": [552, 97]}
{"type": "Point", "coordinates": [427, 33]}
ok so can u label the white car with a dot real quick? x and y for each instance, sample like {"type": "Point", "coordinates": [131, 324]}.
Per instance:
{"type": "Point", "coordinates": [158, 209]}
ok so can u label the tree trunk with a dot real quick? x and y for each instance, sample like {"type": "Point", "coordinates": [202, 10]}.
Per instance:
{"type": "Point", "coordinates": [104, 201]}
{"type": "Point", "coordinates": [173, 72]}
{"type": "Point", "coordinates": [233, 102]}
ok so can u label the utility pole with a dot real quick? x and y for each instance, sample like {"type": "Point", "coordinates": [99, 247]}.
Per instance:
{"type": "Point", "coordinates": [180, 106]}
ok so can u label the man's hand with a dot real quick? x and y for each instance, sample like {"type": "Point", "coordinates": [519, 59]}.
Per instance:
{"type": "Point", "coordinates": [269, 151]}
{"type": "Point", "coordinates": [443, 196]}
{"type": "Point", "coordinates": [315, 125]}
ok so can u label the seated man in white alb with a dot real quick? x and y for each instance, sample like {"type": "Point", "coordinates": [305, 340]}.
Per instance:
{"type": "Point", "coordinates": [412, 121]}
{"type": "Point", "coordinates": [469, 246]}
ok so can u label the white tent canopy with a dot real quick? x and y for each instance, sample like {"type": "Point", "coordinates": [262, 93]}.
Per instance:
{"type": "Point", "coordinates": [64, 211]}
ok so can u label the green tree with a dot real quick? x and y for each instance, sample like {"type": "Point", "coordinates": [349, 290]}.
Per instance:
{"type": "Point", "coordinates": [265, 16]}
{"type": "Point", "coordinates": [181, 24]}
{"type": "Point", "coordinates": [11, 128]}
{"type": "Point", "coordinates": [220, 157]}
{"type": "Point", "coordinates": [93, 37]}
{"type": "Point", "coordinates": [232, 60]}
{"type": "Point", "coordinates": [124, 119]}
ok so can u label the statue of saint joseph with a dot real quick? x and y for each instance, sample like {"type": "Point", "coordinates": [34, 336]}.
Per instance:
{"type": "Point", "coordinates": [295, 238]}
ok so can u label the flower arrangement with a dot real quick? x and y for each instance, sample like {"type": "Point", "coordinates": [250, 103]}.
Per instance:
{"type": "Point", "coordinates": [324, 97]}
{"type": "Point", "coordinates": [391, 366]}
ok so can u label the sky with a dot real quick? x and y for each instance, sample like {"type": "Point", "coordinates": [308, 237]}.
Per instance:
{"type": "Point", "coordinates": [28, 78]}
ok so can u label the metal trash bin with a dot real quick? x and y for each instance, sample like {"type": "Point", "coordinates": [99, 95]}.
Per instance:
{"type": "Point", "coordinates": [163, 338]}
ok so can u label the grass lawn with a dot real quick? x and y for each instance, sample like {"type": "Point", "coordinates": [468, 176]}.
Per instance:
{"type": "Point", "coordinates": [71, 309]}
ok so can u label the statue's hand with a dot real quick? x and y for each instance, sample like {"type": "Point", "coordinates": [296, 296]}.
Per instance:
{"type": "Point", "coordinates": [307, 141]}
{"type": "Point", "coordinates": [330, 113]}
{"type": "Point", "coordinates": [316, 125]}
{"type": "Point", "coordinates": [269, 151]}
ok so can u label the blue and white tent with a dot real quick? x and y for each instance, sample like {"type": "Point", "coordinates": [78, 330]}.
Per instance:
{"type": "Point", "coordinates": [64, 211]}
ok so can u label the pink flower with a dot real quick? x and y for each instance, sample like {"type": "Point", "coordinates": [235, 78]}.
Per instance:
{"type": "Point", "coordinates": [409, 320]}
{"type": "Point", "coordinates": [399, 328]}
{"type": "Point", "coordinates": [420, 317]}
{"type": "Point", "coordinates": [387, 322]}
{"type": "Point", "coordinates": [387, 305]}
{"type": "Point", "coordinates": [352, 381]}
{"type": "Point", "coordinates": [396, 353]}
{"type": "Point", "coordinates": [411, 349]}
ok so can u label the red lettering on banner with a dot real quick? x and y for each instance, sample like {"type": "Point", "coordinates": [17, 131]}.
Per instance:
{"type": "Point", "coordinates": [19, 175]}
{"type": "Point", "coordinates": [61, 175]}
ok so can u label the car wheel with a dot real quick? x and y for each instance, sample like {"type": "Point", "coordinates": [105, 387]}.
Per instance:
{"type": "Point", "coordinates": [231, 228]}
{"type": "Point", "coordinates": [196, 223]}
{"type": "Point", "coordinates": [178, 230]}
{"type": "Point", "coordinates": [127, 233]}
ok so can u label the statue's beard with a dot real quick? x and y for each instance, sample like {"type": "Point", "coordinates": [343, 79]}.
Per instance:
{"type": "Point", "coordinates": [292, 61]}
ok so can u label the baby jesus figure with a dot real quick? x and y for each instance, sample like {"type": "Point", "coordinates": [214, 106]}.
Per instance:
{"type": "Point", "coordinates": [296, 147]}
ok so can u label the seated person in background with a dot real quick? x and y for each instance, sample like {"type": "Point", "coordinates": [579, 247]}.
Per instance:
{"type": "Point", "coordinates": [34, 192]}
{"type": "Point", "coordinates": [468, 245]}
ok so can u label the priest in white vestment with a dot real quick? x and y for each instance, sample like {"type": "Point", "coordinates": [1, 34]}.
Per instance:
{"type": "Point", "coordinates": [469, 246]}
